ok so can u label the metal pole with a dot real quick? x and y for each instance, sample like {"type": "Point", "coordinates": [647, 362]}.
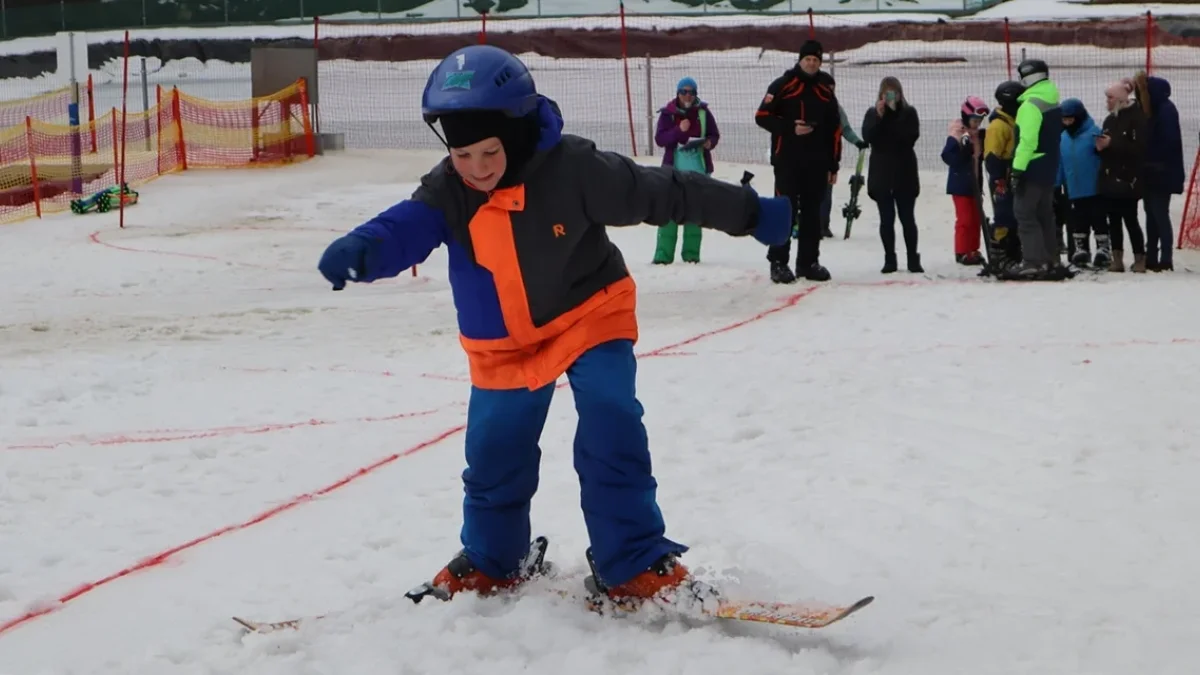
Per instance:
{"type": "Point", "coordinates": [379, 10]}
{"type": "Point", "coordinates": [62, 10]}
{"type": "Point", "coordinates": [833, 64]}
{"type": "Point", "coordinates": [146, 105]}
{"type": "Point", "coordinates": [227, 12]}
{"type": "Point", "coordinates": [649, 108]}
{"type": "Point", "coordinates": [143, 12]}
{"type": "Point", "coordinates": [73, 120]}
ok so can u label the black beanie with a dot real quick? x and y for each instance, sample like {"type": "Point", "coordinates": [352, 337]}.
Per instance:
{"type": "Point", "coordinates": [518, 135]}
{"type": "Point", "coordinates": [812, 48]}
{"type": "Point", "coordinates": [471, 126]}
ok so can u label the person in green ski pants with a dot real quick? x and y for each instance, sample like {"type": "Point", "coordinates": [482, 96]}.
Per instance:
{"type": "Point", "coordinates": [687, 132]}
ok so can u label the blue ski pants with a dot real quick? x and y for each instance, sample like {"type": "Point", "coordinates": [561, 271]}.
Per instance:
{"type": "Point", "coordinates": [612, 459]}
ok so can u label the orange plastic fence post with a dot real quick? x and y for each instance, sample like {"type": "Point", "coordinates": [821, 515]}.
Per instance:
{"type": "Point", "coordinates": [33, 174]}
{"type": "Point", "coordinates": [180, 145]}
{"type": "Point", "coordinates": [309, 141]}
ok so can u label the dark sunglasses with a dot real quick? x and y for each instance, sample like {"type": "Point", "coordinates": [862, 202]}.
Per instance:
{"type": "Point", "coordinates": [686, 92]}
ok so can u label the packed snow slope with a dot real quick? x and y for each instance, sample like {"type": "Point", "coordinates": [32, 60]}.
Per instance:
{"type": "Point", "coordinates": [1008, 468]}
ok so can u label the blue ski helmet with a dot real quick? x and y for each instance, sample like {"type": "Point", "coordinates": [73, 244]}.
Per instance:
{"type": "Point", "coordinates": [479, 77]}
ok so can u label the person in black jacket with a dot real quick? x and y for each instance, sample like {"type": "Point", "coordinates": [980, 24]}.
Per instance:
{"type": "Point", "coordinates": [1122, 148]}
{"type": "Point", "coordinates": [892, 128]}
{"type": "Point", "coordinates": [801, 112]}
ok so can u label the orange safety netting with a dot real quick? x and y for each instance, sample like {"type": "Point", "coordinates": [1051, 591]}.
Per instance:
{"type": "Point", "coordinates": [43, 166]}
{"type": "Point", "coordinates": [48, 107]}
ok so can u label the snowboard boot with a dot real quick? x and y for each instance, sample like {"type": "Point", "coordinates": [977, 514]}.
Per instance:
{"type": "Point", "coordinates": [914, 263]}
{"type": "Point", "coordinates": [460, 575]}
{"type": "Point", "coordinates": [889, 263]}
{"type": "Point", "coordinates": [782, 274]}
{"type": "Point", "coordinates": [815, 272]}
{"type": "Point", "coordinates": [667, 581]}
{"type": "Point", "coordinates": [1082, 253]}
{"type": "Point", "coordinates": [1139, 263]}
{"type": "Point", "coordinates": [1118, 261]}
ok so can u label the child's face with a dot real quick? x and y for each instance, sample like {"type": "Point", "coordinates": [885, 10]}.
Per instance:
{"type": "Point", "coordinates": [1068, 121]}
{"type": "Point", "coordinates": [974, 122]}
{"type": "Point", "coordinates": [481, 164]}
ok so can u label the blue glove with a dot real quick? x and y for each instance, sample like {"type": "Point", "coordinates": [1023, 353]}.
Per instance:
{"type": "Point", "coordinates": [774, 225]}
{"type": "Point", "coordinates": [345, 260]}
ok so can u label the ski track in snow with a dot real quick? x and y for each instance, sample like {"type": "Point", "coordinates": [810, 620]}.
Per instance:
{"type": "Point", "coordinates": [1008, 468]}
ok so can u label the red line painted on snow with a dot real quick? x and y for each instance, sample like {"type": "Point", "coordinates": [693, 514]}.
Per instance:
{"type": "Point", "coordinates": [170, 435]}
{"type": "Point", "coordinates": [790, 301]}
{"type": "Point", "coordinates": [164, 556]}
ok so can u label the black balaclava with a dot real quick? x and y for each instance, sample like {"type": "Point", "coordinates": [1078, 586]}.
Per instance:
{"type": "Point", "coordinates": [518, 135]}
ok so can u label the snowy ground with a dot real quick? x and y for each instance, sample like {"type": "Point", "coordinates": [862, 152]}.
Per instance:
{"type": "Point", "coordinates": [1008, 468]}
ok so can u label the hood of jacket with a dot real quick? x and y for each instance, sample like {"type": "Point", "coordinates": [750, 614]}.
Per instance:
{"type": "Point", "coordinates": [1160, 91]}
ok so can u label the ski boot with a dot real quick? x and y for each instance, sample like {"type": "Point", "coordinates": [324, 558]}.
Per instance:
{"type": "Point", "coordinates": [460, 575]}
{"type": "Point", "coordinates": [667, 582]}
{"type": "Point", "coordinates": [1103, 258]}
{"type": "Point", "coordinates": [1082, 254]}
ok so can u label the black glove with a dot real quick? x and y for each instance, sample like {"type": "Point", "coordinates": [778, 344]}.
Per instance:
{"type": "Point", "coordinates": [862, 145]}
{"type": "Point", "coordinates": [1016, 181]}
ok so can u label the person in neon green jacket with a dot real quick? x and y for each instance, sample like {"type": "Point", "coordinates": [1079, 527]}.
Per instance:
{"type": "Point", "coordinates": [1038, 132]}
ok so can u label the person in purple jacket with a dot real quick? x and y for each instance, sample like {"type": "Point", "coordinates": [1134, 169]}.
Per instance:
{"type": "Point", "coordinates": [687, 132]}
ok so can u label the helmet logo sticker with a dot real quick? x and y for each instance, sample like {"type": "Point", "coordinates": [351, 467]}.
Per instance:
{"type": "Point", "coordinates": [458, 80]}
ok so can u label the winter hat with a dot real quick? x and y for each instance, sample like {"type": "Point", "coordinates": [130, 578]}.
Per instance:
{"type": "Point", "coordinates": [812, 48]}
{"type": "Point", "coordinates": [471, 126]}
{"type": "Point", "coordinates": [687, 83]}
{"type": "Point", "coordinates": [518, 135]}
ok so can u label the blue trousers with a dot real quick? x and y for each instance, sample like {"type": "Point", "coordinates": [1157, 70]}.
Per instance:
{"type": "Point", "coordinates": [612, 459]}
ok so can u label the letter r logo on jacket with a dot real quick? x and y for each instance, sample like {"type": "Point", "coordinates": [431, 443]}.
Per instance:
{"type": "Point", "coordinates": [559, 231]}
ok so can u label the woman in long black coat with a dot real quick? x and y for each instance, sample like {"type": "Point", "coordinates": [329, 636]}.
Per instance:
{"type": "Point", "coordinates": [892, 128]}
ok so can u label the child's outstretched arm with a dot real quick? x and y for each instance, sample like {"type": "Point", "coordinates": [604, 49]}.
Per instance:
{"type": "Point", "coordinates": [618, 191]}
{"type": "Point", "coordinates": [386, 245]}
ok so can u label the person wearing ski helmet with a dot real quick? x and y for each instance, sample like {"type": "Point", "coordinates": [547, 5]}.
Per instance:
{"type": "Point", "coordinates": [540, 291]}
{"type": "Point", "coordinates": [963, 154]}
{"type": "Point", "coordinates": [1004, 245]}
{"type": "Point", "coordinates": [1035, 171]}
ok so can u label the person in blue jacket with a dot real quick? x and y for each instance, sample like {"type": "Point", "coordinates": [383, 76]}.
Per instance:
{"type": "Point", "coordinates": [1079, 173]}
{"type": "Point", "coordinates": [1163, 174]}
{"type": "Point", "coordinates": [541, 292]}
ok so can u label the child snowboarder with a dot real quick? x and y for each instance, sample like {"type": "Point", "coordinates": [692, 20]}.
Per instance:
{"type": "Point", "coordinates": [1004, 247]}
{"type": "Point", "coordinates": [540, 291]}
{"type": "Point", "coordinates": [1079, 173]}
{"type": "Point", "coordinates": [687, 132]}
{"type": "Point", "coordinates": [963, 153]}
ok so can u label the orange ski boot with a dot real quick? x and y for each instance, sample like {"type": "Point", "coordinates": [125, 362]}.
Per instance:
{"type": "Point", "coordinates": [460, 575]}
{"type": "Point", "coordinates": [667, 581]}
